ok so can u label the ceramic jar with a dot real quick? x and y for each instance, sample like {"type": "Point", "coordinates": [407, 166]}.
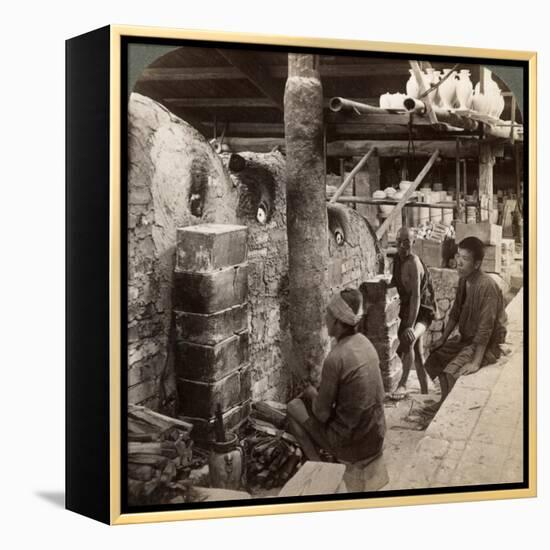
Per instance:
{"type": "Point", "coordinates": [385, 101]}
{"type": "Point", "coordinates": [464, 90]}
{"type": "Point", "coordinates": [413, 90]}
{"type": "Point", "coordinates": [447, 90]}
{"type": "Point", "coordinates": [481, 103]}
{"type": "Point", "coordinates": [436, 98]}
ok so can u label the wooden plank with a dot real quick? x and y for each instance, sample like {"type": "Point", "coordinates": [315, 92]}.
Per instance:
{"type": "Point", "coordinates": [422, 89]}
{"type": "Point", "coordinates": [357, 148]}
{"type": "Point", "coordinates": [412, 188]}
{"type": "Point", "coordinates": [257, 73]}
{"type": "Point", "coordinates": [351, 175]}
{"type": "Point", "coordinates": [315, 478]}
{"type": "Point", "coordinates": [265, 129]}
{"type": "Point", "coordinates": [255, 144]}
{"type": "Point", "coordinates": [273, 71]}
{"type": "Point", "coordinates": [158, 419]}
{"type": "Point", "coordinates": [178, 74]}
{"type": "Point", "coordinates": [396, 148]}
{"type": "Point", "coordinates": [207, 494]}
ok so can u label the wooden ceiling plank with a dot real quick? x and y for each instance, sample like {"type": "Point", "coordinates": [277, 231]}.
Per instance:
{"type": "Point", "coordinates": [257, 73]}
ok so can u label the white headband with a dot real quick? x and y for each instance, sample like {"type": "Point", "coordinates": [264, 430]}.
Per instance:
{"type": "Point", "coordinates": [341, 310]}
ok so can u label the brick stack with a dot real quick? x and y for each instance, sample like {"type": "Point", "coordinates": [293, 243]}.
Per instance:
{"type": "Point", "coordinates": [210, 302]}
{"type": "Point", "coordinates": [381, 304]}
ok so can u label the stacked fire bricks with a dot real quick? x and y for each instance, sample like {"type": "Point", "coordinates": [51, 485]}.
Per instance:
{"type": "Point", "coordinates": [210, 297]}
{"type": "Point", "coordinates": [380, 324]}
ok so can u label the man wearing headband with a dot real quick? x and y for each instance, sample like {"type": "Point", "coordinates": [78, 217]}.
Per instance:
{"type": "Point", "coordinates": [346, 415]}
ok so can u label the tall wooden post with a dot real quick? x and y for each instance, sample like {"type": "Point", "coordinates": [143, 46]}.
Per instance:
{"type": "Point", "coordinates": [486, 163]}
{"type": "Point", "coordinates": [306, 215]}
{"type": "Point", "coordinates": [367, 182]}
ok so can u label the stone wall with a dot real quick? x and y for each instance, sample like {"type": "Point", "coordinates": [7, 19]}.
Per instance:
{"type": "Point", "coordinates": [356, 259]}
{"type": "Point", "coordinates": [261, 185]}
{"type": "Point", "coordinates": [174, 180]}
{"type": "Point", "coordinates": [445, 283]}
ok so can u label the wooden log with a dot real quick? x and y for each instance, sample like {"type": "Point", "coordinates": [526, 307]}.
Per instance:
{"type": "Point", "coordinates": [157, 419]}
{"type": "Point", "coordinates": [263, 411]}
{"type": "Point", "coordinates": [141, 472]}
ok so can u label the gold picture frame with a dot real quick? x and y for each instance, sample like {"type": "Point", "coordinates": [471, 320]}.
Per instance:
{"type": "Point", "coordinates": [110, 507]}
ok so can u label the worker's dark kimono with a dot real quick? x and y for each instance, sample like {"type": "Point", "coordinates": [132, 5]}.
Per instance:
{"type": "Point", "coordinates": [481, 319]}
{"type": "Point", "coordinates": [351, 395]}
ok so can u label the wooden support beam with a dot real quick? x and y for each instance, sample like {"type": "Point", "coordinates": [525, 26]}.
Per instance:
{"type": "Point", "coordinates": [181, 74]}
{"type": "Point", "coordinates": [486, 164]}
{"type": "Point", "coordinates": [427, 100]}
{"type": "Point", "coordinates": [258, 74]}
{"type": "Point", "coordinates": [352, 174]}
{"type": "Point", "coordinates": [408, 193]}
{"type": "Point", "coordinates": [273, 71]}
{"type": "Point", "coordinates": [357, 148]}
{"type": "Point", "coordinates": [397, 148]}
{"type": "Point", "coordinates": [266, 129]}
{"type": "Point", "coordinates": [255, 145]}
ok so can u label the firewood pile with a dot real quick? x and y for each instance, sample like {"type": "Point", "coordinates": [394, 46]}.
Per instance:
{"type": "Point", "coordinates": [273, 454]}
{"type": "Point", "coordinates": [160, 457]}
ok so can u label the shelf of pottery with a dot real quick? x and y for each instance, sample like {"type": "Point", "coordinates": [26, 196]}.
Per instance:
{"type": "Point", "coordinates": [455, 93]}
{"type": "Point", "coordinates": [438, 207]}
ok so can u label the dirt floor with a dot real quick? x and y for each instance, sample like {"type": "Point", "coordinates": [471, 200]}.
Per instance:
{"type": "Point", "coordinates": [405, 427]}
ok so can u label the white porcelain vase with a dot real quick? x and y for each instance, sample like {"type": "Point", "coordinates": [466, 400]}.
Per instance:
{"type": "Point", "coordinates": [436, 98]}
{"type": "Point", "coordinates": [499, 105]}
{"type": "Point", "coordinates": [447, 90]}
{"type": "Point", "coordinates": [480, 103]}
{"type": "Point", "coordinates": [413, 90]}
{"type": "Point", "coordinates": [464, 89]}
{"type": "Point", "coordinates": [385, 101]}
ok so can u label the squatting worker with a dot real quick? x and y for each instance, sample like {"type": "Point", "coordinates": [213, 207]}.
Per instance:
{"type": "Point", "coordinates": [346, 415]}
{"type": "Point", "coordinates": [417, 310]}
{"type": "Point", "coordinates": [479, 312]}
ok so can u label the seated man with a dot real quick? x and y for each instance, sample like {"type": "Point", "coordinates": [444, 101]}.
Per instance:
{"type": "Point", "coordinates": [417, 311]}
{"type": "Point", "coordinates": [346, 415]}
{"type": "Point", "coordinates": [479, 312]}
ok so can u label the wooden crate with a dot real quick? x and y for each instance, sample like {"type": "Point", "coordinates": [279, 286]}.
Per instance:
{"type": "Point", "coordinates": [492, 262]}
{"type": "Point", "coordinates": [487, 233]}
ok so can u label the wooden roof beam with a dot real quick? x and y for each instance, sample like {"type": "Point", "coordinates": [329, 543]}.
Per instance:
{"type": "Point", "coordinates": [257, 73]}
{"type": "Point", "coordinates": [357, 148]}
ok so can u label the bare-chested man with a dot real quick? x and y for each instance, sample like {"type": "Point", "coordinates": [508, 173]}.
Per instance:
{"type": "Point", "coordinates": [413, 282]}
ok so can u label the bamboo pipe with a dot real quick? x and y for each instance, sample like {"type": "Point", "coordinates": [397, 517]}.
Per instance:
{"type": "Point", "coordinates": [417, 106]}
{"type": "Point", "coordinates": [337, 104]}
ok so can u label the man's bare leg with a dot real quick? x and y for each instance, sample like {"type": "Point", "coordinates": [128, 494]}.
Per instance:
{"type": "Point", "coordinates": [419, 330]}
{"type": "Point", "coordinates": [409, 358]}
{"type": "Point", "coordinates": [297, 417]}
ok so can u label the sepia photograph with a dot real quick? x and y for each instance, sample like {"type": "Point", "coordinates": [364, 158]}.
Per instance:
{"type": "Point", "coordinates": [324, 255]}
